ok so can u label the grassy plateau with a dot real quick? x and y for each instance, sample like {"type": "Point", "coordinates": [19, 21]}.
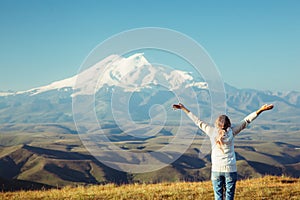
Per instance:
{"type": "Point", "coordinates": [267, 187]}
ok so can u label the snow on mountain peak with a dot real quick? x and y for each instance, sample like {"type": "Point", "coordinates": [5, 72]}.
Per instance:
{"type": "Point", "coordinates": [123, 70]}
{"type": "Point", "coordinates": [3, 94]}
{"type": "Point", "coordinates": [130, 73]}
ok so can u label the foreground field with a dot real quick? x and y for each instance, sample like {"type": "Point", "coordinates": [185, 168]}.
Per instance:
{"type": "Point", "coordinates": [268, 187]}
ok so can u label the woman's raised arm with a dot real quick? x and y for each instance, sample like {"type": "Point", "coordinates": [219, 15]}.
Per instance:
{"type": "Point", "coordinates": [202, 125]}
{"type": "Point", "coordinates": [247, 120]}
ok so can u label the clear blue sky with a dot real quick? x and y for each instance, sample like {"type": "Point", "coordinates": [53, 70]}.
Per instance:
{"type": "Point", "coordinates": [255, 44]}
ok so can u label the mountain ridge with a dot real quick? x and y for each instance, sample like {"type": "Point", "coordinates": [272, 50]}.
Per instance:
{"type": "Point", "coordinates": [53, 103]}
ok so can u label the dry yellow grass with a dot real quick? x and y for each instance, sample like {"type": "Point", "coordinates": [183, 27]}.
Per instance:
{"type": "Point", "coordinates": [268, 187]}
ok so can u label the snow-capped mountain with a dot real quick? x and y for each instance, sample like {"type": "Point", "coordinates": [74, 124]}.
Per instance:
{"type": "Point", "coordinates": [132, 74]}
{"type": "Point", "coordinates": [149, 85]}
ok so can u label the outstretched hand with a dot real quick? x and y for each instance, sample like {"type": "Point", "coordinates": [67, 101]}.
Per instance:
{"type": "Point", "coordinates": [178, 106]}
{"type": "Point", "coordinates": [265, 108]}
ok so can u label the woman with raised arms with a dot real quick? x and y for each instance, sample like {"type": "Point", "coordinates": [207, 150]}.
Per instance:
{"type": "Point", "coordinates": [224, 170]}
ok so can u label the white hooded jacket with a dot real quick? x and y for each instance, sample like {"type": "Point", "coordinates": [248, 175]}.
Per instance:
{"type": "Point", "coordinates": [223, 160]}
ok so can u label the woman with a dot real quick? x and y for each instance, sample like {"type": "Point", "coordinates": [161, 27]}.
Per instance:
{"type": "Point", "coordinates": [224, 171]}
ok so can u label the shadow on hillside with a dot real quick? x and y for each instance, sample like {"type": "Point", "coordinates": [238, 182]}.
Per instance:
{"type": "Point", "coordinates": [57, 154]}
{"type": "Point", "coordinates": [68, 174]}
{"type": "Point", "coordinates": [264, 169]}
{"type": "Point", "coordinates": [12, 164]}
{"type": "Point", "coordinates": [111, 175]}
{"type": "Point", "coordinates": [17, 185]}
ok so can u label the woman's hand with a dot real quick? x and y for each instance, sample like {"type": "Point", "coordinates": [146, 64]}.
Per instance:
{"type": "Point", "coordinates": [265, 108]}
{"type": "Point", "coordinates": [178, 106]}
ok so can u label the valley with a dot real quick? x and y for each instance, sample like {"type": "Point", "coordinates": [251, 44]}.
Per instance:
{"type": "Point", "coordinates": [53, 157]}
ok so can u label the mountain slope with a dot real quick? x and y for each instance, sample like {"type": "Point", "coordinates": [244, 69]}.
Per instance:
{"type": "Point", "coordinates": [60, 161]}
{"type": "Point", "coordinates": [146, 85]}
{"type": "Point", "coordinates": [130, 73]}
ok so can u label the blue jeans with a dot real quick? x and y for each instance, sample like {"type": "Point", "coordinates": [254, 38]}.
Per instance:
{"type": "Point", "coordinates": [221, 181]}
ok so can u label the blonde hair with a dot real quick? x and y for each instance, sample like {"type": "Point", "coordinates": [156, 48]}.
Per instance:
{"type": "Point", "coordinates": [222, 123]}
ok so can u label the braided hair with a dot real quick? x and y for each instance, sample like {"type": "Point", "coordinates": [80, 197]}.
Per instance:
{"type": "Point", "coordinates": [222, 123]}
